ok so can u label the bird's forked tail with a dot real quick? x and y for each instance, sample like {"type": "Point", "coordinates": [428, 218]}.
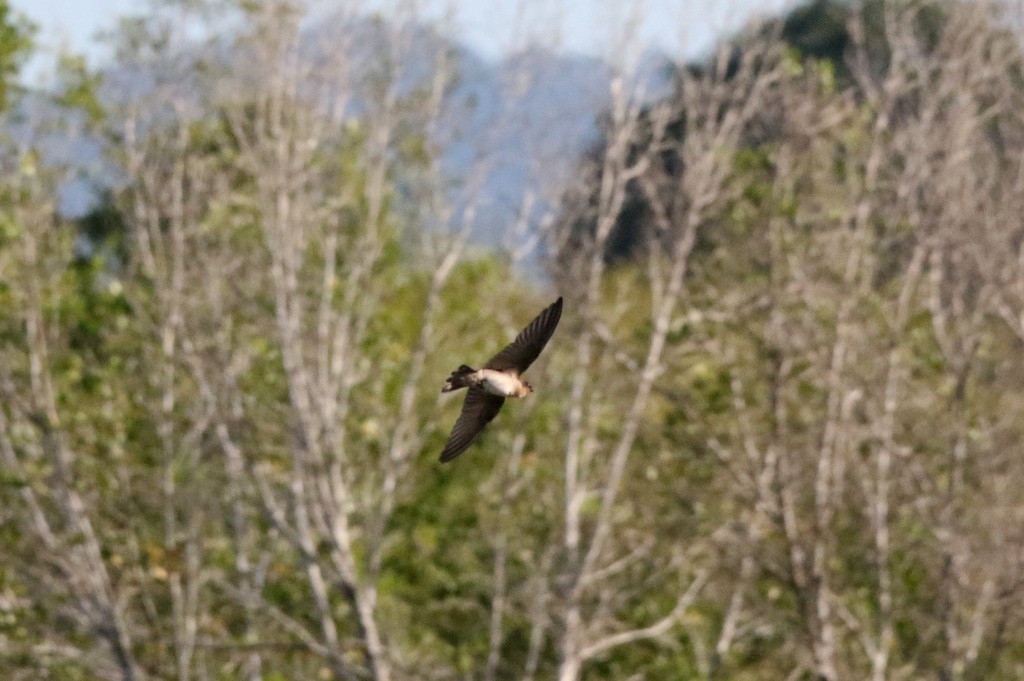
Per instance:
{"type": "Point", "coordinates": [458, 379]}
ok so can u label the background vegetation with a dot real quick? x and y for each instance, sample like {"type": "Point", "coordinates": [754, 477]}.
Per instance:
{"type": "Point", "coordinates": [778, 434]}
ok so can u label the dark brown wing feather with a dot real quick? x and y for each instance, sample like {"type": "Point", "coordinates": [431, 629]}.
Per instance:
{"type": "Point", "coordinates": [520, 353]}
{"type": "Point", "coordinates": [478, 410]}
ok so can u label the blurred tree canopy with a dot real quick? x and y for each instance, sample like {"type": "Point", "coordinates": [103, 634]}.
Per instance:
{"type": "Point", "coordinates": [776, 436]}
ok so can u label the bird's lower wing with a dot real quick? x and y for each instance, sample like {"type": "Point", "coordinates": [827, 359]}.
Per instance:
{"type": "Point", "coordinates": [478, 410]}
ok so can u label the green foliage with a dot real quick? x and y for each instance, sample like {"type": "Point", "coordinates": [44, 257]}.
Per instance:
{"type": "Point", "coordinates": [80, 88]}
{"type": "Point", "coordinates": [15, 44]}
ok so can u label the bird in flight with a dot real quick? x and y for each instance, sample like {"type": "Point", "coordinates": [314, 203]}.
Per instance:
{"type": "Point", "coordinates": [500, 378]}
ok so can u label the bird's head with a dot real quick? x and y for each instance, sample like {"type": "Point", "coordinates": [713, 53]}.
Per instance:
{"type": "Point", "coordinates": [525, 390]}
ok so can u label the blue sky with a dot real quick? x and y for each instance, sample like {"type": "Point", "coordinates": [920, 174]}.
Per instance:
{"type": "Point", "coordinates": [681, 27]}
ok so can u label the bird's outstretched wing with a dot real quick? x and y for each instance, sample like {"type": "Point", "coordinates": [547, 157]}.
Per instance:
{"type": "Point", "coordinates": [478, 410]}
{"type": "Point", "coordinates": [520, 353]}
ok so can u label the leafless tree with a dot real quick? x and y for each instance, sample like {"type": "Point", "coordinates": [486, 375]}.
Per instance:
{"type": "Point", "coordinates": [716, 106]}
{"type": "Point", "coordinates": [60, 515]}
